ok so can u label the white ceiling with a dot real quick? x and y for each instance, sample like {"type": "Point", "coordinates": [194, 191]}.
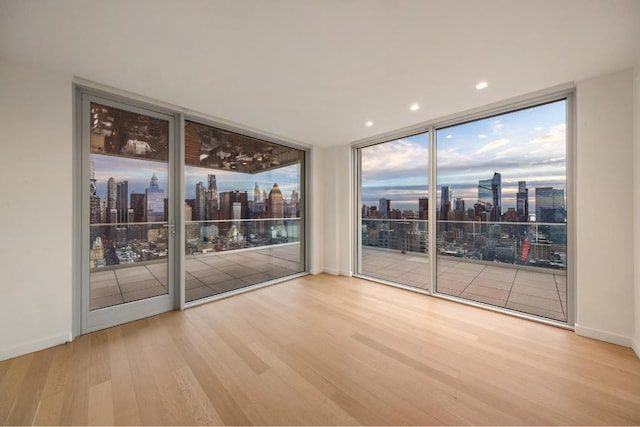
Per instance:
{"type": "Point", "coordinates": [315, 71]}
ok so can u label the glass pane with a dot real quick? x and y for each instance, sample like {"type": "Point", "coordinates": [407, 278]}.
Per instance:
{"type": "Point", "coordinates": [502, 230]}
{"type": "Point", "coordinates": [128, 206]}
{"type": "Point", "coordinates": [395, 206]}
{"type": "Point", "coordinates": [242, 211]}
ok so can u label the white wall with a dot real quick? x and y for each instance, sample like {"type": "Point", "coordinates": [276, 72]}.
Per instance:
{"type": "Point", "coordinates": [35, 209]}
{"type": "Point", "coordinates": [338, 195]}
{"type": "Point", "coordinates": [636, 204]}
{"type": "Point", "coordinates": [605, 262]}
{"type": "Point", "coordinates": [316, 199]}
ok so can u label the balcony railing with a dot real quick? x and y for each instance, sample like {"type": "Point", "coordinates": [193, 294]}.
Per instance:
{"type": "Point", "coordinates": [519, 266]}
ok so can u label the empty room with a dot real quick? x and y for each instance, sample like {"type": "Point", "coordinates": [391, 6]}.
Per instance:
{"type": "Point", "coordinates": [320, 212]}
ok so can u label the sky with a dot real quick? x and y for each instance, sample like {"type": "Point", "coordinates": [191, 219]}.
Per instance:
{"type": "Point", "coordinates": [138, 173]}
{"type": "Point", "coordinates": [527, 145]}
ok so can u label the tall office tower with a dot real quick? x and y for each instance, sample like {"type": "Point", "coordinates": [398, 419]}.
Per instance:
{"type": "Point", "coordinates": [423, 209]}
{"type": "Point", "coordinates": [227, 200]}
{"type": "Point", "coordinates": [199, 211]}
{"type": "Point", "coordinates": [522, 202]}
{"type": "Point", "coordinates": [264, 196]}
{"type": "Point", "coordinates": [236, 209]}
{"type": "Point", "coordinates": [256, 195]}
{"type": "Point", "coordinates": [212, 205]}
{"type": "Point", "coordinates": [95, 216]}
{"type": "Point", "coordinates": [137, 201]}
{"type": "Point", "coordinates": [275, 205]}
{"type": "Point", "coordinates": [445, 202]}
{"type": "Point", "coordinates": [459, 213]}
{"type": "Point", "coordinates": [490, 195]}
{"type": "Point", "coordinates": [112, 191]}
{"type": "Point", "coordinates": [154, 211]}
{"type": "Point", "coordinates": [122, 200]}
{"type": "Point", "coordinates": [291, 210]}
{"type": "Point", "coordinates": [295, 197]}
{"type": "Point", "coordinates": [384, 207]}
{"type": "Point", "coordinates": [550, 205]}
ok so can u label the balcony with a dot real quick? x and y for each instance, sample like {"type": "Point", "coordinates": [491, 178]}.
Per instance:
{"type": "Point", "coordinates": [220, 256]}
{"type": "Point", "coordinates": [525, 272]}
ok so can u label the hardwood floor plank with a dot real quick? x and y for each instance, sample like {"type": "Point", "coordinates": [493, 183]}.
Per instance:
{"type": "Point", "coordinates": [326, 350]}
{"type": "Point", "coordinates": [12, 384]}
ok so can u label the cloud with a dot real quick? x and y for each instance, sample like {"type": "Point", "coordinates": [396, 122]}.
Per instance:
{"type": "Point", "coordinates": [493, 145]}
{"type": "Point", "coordinates": [556, 133]}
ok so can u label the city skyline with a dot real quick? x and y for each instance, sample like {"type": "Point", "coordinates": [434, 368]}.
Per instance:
{"type": "Point", "coordinates": [138, 173]}
{"type": "Point", "coordinates": [526, 145]}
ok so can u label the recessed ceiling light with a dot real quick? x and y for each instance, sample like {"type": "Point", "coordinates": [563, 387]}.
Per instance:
{"type": "Point", "coordinates": [369, 123]}
{"type": "Point", "coordinates": [414, 107]}
{"type": "Point", "coordinates": [482, 85]}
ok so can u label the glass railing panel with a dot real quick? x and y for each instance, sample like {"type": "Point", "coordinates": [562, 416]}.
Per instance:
{"type": "Point", "coordinates": [225, 255]}
{"type": "Point", "coordinates": [516, 265]}
{"type": "Point", "coordinates": [396, 250]}
{"type": "Point", "coordinates": [127, 262]}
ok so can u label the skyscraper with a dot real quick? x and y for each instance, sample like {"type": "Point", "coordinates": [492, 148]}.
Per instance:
{"type": "Point", "coordinates": [199, 212]}
{"type": "Point", "coordinates": [256, 195]}
{"type": "Point", "coordinates": [275, 207]}
{"type": "Point", "coordinates": [384, 207]}
{"type": "Point", "coordinates": [155, 201]}
{"type": "Point", "coordinates": [550, 206]}
{"type": "Point", "coordinates": [423, 209]}
{"type": "Point", "coordinates": [122, 200]}
{"type": "Point", "coordinates": [445, 202]}
{"type": "Point", "coordinates": [522, 202]}
{"type": "Point", "coordinates": [490, 195]}
{"type": "Point", "coordinates": [94, 200]}
{"type": "Point", "coordinates": [112, 191]}
{"type": "Point", "coordinates": [211, 199]}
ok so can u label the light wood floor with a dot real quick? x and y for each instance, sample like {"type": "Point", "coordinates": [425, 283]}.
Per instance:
{"type": "Point", "coordinates": [325, 350]}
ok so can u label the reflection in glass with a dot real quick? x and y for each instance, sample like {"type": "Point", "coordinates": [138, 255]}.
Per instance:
{"type": "Point", "coordinates": [395, 206]}
{"type": "Point", "coordinates": [243, 221]}
{"type": "Point", "coordinates": [127, 206]}
{"type": "Point", "coordinates": [501, 231]}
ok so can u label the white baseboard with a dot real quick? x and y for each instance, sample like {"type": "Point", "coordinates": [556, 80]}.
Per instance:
{"type": "Point", "coordinates": [635, 345]}
{"type": "Point", "coordinates": [30, 347]}
{"type": "Point", "coordinates": [603, 336]}
{"type": "Point", "coordinates": [345, 273]}
{"type": "Point", "coordinates": [331, 271]}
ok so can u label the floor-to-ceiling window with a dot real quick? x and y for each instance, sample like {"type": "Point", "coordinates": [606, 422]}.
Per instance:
{"type": "Point", "coordinates": [240, 224]}
{"type": "Point", "coordinates": [243, 211]}
{"type": "Point", "coordinates": [502, 211]}
{"type": "Point", "coordinates": [394, 203]}
{"type": "Point", "coordinates": [499, 210]}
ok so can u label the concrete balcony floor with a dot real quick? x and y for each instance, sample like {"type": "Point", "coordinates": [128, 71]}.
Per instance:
{"type": "Point", "coordinates": [205, 275]}
{"type": "Point", "coordinates": [541, 293]}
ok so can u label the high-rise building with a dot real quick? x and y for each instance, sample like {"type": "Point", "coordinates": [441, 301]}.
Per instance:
{"type": "Point", "coordinates": [112, 191]}
{"type": "Point", "coordinates": [550, 206]}
{"type": "Point", "coordinates": [522, 202]}
{"type": "Point", "coordinates": [154, 208]}
{"type": "Point", "coordinates": [490, 195]}
{"type": "Point", "coordinates": [95, 216]}
{"type": "Point", "coordinates": [445, 203]}
{"type": "Point", "coordinates": [423, 209]}
{"type": "Point", "coordinates": [212, 205]}
{"type": "Point", "coordinates": [275, 205]}
{"type": "Point", "coordinates": [256, 195]}
{"type": "Point", "coordinates": [122, 200]}
{"type": "Point", "coordinates": [384, 207]}
{"type": "Point", "coordinates": [227, 201]}
{"type": "Point", "coordinates": [137, 201]}
{"type": "Point", "coordinates": [199, 211]}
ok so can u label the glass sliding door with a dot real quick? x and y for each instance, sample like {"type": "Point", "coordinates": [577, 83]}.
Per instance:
{"type": "Point", "coordinates": [501, 210]}
{"type": "Point", "coordinates": [394, 211]}
{"type": "Point", "coordinates": [126, 209]}
{"type": "Point", "coordinates": [243, 210]}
